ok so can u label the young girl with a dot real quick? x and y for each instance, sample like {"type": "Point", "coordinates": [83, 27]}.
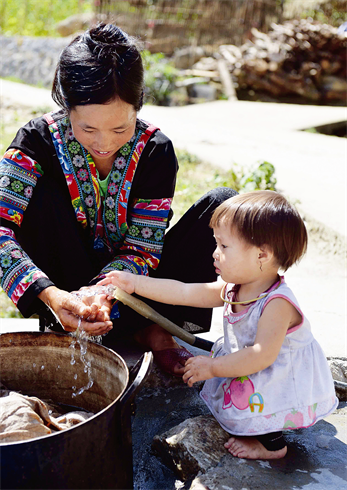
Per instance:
{"type": "Point", "coordinates": [268, 373]}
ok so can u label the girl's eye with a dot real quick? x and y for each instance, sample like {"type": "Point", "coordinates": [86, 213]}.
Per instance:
{"type": "Point", "coordinates": [88, 131]}
{"type": "Point", "coordinates": [224, 246]}
{"type": "Point", "coordinates": [120, 132]}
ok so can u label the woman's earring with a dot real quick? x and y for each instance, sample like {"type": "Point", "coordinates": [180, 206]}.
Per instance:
{"type": "Point", "coordinates": [261, 266]}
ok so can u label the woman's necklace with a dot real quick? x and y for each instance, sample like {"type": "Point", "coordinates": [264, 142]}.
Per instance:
{"type": "Point", "coordinates": [246, 302]}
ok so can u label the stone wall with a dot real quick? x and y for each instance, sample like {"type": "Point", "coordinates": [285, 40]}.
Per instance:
{"type": "Point", "coordinates": [31, 59]}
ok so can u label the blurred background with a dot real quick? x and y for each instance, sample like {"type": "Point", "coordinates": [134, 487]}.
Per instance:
{"type": "Point", "coordinates": [195, 50]}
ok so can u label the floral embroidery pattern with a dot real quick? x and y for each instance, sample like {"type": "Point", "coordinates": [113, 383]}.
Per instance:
{"type": "Point", "coordinates": [17, 272]}
{"type": "Point", "coordinates": [107, 220]}
{"type": "Point", "coordinates": [147, 224]}
{"type": "Point", "coordinates": [79, 170]}
{"type": "Point", "coordinates": [144, 232]}
{"type": "Point", "coordinates": [18, 177]}
{"type": "Point", "coordinates": [108, 223]}
{"type": "Point", "coordinates": [132, 263]}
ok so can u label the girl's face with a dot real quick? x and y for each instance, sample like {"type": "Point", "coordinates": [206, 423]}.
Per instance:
{"type": "Point", "coordinates": [235, 260]}
{"type": "Point", "coordinates": [102, 129]}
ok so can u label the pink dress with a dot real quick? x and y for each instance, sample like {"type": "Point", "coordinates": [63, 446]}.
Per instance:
{"type": "Point", "coordinates": [296, 391]}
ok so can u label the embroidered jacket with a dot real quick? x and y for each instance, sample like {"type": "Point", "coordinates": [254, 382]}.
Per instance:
{"type": "Point", "coordinates": [129, 223]}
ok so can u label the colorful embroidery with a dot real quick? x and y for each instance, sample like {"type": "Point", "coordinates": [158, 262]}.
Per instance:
{"type": "Point", "coordinates": [79, 170]}
{"type": "Point", "coordinates": [132, 263]}
{"type": "Point", "coordinates": [18, 177]}
{"type": "Point", "coordinates": [17, 272]}
{"type": "Point", "coordinates": [148, 222]}
{"type": "Point", "coordinates": [119, 186]}
{"type": "Point", "coordinates": [108, 219]}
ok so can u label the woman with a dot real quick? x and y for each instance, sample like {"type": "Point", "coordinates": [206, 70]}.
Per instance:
{"type": "Point", "coordinates": [87, 190]}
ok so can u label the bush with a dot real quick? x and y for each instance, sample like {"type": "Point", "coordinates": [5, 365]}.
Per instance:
{"type": "Point", "coordinates": [195, 178]}
{"type": "Point", "coordinates": [37, 17]}
{"type": "Point", "coordinates": [160, 77]}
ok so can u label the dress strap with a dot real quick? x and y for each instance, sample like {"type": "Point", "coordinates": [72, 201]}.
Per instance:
{"type": "Point", "coordinates": [246, 302]}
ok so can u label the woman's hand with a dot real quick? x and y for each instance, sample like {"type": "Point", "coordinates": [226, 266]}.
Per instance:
{"type": "Point", "coordinates": [198, 368]}
{"type": "Point", "coordinates": [101, 304]}
{"type": "Point", "coordinates": [73, 313]}
{"type": "Point", "coordinates": [121, 279]}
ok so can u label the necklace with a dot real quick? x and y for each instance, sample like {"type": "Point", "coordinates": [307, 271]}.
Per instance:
{"type": "Point", "coordinates": [246, 302]}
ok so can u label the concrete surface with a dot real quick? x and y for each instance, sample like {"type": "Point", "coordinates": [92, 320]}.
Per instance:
{"type": "Point", "coordinates": [311, 169]}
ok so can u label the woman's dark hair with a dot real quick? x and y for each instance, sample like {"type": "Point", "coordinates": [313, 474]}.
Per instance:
{"type": "Point", "coordinates": [265, 218]}
{"type": "Point", "coordinates": [98, 66]}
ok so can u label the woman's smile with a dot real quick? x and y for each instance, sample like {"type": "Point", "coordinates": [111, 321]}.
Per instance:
{"type": "Point", "coordinates": [101, 153]}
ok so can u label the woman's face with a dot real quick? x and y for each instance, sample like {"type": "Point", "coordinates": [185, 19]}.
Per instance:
{"type": "Point", "coordinates": [102, 129]}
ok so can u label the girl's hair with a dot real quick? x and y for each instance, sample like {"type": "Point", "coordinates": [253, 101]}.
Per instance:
{"type": "Point", "coordinates": [98, 66]}
{"type": "Point", "coordinates": [265, 218]}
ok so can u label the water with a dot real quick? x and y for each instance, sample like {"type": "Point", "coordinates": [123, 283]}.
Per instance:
{"type": "Point", "coordinates": [81, 338]}
{"type": "Point", "coordinates": [94, 291]}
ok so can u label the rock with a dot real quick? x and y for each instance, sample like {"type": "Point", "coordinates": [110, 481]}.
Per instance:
{"type": "Point", "coordinates": [74, 23]}
{"type": "Point", "coordinates": [194, 450]}
{"type": "Point", "coordinates": [202, 92]}
{"type": "Point", "coordinates": [323, 441]}
{"type": "Point", "coordinates": [338, 368]}
{"type": "Point", "coordinates": [186, 57]}
{"type": "Point", "coordinates": [206, 64]}
{"type": "Point", "coordinates": [193, 446]}
{"type": "Point", "coordinates": [335, 87]}
{"type": "Point", "coordinates": [31, 59]}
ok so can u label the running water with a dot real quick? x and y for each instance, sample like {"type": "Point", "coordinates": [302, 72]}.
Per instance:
{"type": "Point", "coordinates": [81, 338]}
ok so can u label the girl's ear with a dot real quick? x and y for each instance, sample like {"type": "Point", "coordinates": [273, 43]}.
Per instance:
{"type": "Point", "coordinates": [265, 254]}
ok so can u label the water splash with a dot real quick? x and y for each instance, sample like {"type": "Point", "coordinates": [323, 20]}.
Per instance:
{"type": "Point", "coordinates": [81, 338]}
{"type": "Point", "coordinates": [94, 291]}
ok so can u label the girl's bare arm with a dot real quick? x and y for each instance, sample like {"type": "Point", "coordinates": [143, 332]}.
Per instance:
{"type": "Point", "coordinates": [169, 291]}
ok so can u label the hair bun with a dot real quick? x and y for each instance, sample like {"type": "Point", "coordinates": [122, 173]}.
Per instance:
{"type": "Point", "coordinates": [106, 41]}
{"type": "Point", "coordinates": [97, 66]}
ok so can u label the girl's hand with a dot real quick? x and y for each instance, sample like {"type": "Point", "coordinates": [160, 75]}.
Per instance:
{"type": "Point", "coordinates": [121, 279]}
{"type": "Point", "coordinates": [73, 313]}
{"type": "Point", "coordinates": [198, 369]}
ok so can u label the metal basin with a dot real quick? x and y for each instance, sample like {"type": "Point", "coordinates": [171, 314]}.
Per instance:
{"type": "Point", "coordinates": [94, 454]}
